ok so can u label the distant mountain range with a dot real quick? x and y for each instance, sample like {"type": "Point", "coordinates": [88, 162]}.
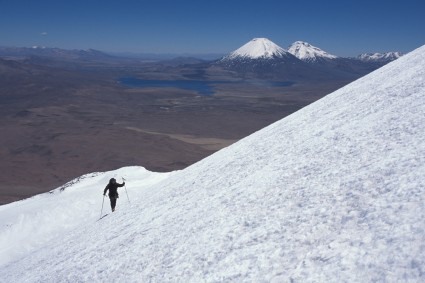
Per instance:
{"type": "Point", "coordinates": [257, 48]}
{"type": "Point", "coordinates": [380, 57]}
{"type": "Point", "coordinates": [263, 48]}
{"type": "Point", "coordinates": [262, 57]}
{"type": "Point", "coordinates": [259, 58]}
{"type": "Point", "coordinates": [54, 53]}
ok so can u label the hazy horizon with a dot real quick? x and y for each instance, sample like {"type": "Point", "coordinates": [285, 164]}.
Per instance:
{"type": "Point", "coordinates": [169, 55]}
{"type": "Point", "coordinates": [218, 27]}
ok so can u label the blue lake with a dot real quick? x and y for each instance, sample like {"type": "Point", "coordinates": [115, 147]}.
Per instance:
{"type": "Point", "coordinates": [202, 87]}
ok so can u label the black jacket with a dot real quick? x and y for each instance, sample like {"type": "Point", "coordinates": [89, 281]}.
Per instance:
{"type": "Point", "coordinates": [112, 187]}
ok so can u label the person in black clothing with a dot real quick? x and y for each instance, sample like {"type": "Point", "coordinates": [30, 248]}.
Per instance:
{"type": "Point", "coordinates": [113, 192]}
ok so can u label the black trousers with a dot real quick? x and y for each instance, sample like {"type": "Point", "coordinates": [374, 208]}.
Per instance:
{"type": "Point", "coordinates": [113, 202]}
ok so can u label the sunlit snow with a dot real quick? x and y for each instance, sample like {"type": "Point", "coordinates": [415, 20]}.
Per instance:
{"type": "Point", "coordinates": [307, 52]}
{"type": "Point", "coordinates": [258, 48]}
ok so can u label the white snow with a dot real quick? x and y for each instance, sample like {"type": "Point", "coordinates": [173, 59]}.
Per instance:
{"type": "Point", "coordinates": [258, 48]}
{"type": "Point", "coordinates": [333, 193]}
{"type": "Point", "coordinates": [30, 224]}
{"type": "Point", "coordinates": [307, 52]}
{"type": "Point", "coordinates": [388, 56]}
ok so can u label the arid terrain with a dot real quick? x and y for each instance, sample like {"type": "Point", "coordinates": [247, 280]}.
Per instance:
{"type": "Point", "coordinates": [60, 120]}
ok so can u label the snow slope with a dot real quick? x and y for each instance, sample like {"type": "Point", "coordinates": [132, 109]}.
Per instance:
{"type": "Point", "coordinates": [30, 224]}
{"type": "Point", "coordinates": [332, 193]}
{"type": "Point", "coordinates": [309, 53]}
{"type": "Point", "coordinates": [258, 48]}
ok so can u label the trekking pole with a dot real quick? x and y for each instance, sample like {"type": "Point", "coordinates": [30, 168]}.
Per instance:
{"type": "Point", "coordinates": [102, 207]}
{"type": "Point", "coordinates": [125, 187]}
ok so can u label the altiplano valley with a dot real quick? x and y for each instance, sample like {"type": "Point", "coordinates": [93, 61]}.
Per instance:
{"type": "Point", "coordinates": [68, 112]}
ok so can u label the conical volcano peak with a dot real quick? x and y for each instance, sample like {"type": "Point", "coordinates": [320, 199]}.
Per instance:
{"type": "Point", "coordinates": [259, 48]}
{"type": "Point", "coordinates": [307, 52]}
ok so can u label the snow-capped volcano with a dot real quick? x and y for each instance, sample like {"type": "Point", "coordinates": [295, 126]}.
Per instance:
{"type": "Point", "coordinates": [380, 57]}
{"type": "Point", "coordinates": [309, 53]}
{"type": "Point", "coordinates": [261, 58]}
{"type": "Point", "coordinates": [258, 48]}
{"type": "Point", "coordinates": [332, 193]}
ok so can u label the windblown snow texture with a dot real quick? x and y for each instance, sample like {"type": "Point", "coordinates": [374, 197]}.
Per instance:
{"type": "Point", "coordinates": [333, 193]}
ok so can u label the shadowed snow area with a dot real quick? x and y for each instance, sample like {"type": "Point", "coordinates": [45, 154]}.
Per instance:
{"type": "Point", "coordinates": [332, 193]}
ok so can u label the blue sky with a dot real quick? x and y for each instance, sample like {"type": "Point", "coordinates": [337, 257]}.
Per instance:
{"type": "Point", "coordinates": [344, 28]}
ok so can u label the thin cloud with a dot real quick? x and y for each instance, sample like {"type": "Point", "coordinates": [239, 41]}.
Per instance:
{"type": "Point", "coordinates": [44, 33]}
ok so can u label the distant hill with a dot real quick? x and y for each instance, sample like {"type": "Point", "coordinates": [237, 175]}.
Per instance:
{"type": "Point", "coordinates": [57, 53]}
{"type": "Point", "coordinates": [380, 57]}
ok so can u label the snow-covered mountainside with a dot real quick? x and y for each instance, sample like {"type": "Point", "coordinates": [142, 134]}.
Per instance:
{"type": "Point", "coordinates": [332, 193]}
{"type": "Point", "coordinates": [258, 48]}
{"type": "Point", "coordinates": [380, 57]}
{"type": "Point", "coordinates": [309, 53]}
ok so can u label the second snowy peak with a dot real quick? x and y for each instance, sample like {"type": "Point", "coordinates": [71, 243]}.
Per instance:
{"type": "Point", "coordinates": [309, 53]}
